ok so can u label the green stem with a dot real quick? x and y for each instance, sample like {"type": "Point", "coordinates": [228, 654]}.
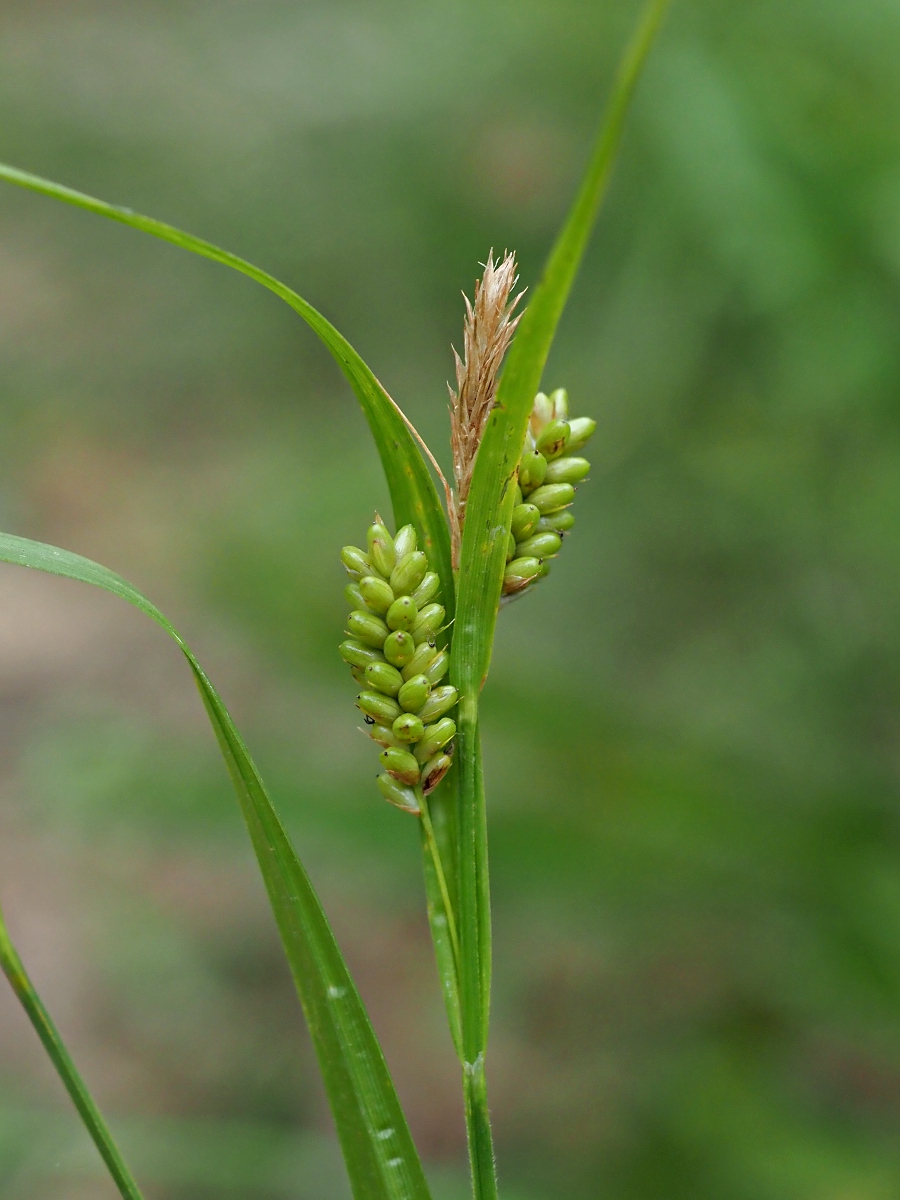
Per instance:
{"type": "Point", "coordinates": [478, 1130]}
{"type": "Point", "coordinates": [68, 1073]}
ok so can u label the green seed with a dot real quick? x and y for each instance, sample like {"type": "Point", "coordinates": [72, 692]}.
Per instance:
{"type": "Point", "coordinates": [383, 735]}
{"type": "Point", "coordinates": [554, 439]}
{"type": "Point", "coordinates": [431, 618]}
{"type": "Point", "coordinates": [434, 771]}
{"type": "Point", "coordinates": [567, 470]}
{"type": "Point", "coordinates": [427, 590]}
{"type": "Point", "coordinates": [357, 654]}
{"type": "Point", "coordinates": [520, 573]}
{"type": "Point", "coordinates": [438, 667]}
{"type": "Point", "coordinates": [524, 519]}
{"type": "Point", "coordinates": [354, 596]}
{"type": "Point", "coordinates": [541, 413]}
{"type": "Point", "coordinates": [581, 431]}
{"type": "Point", "coordinates": [382, 708]}
{"type": "Point", "coordinates": [409, 573]}
{"type": "Point", "coordinates": [402, 614]}
{"type": "Point", "coordinates": [552, 496]}
{"type": "Point", "coordinates": [435, 738]}
{"type": "Point", "coordinates": [558, 522]}
{"type": "Point", "coordinates": [414, 693]}
{"type": "Point", "coordinates": [405, 541]}
{"type": "Point", "coordinates": [377, 594]}
{"type": "Point", "coordinates": [367, 628]}
{"type": "Point", "coordinates": [382, 554]}
{"type": "Point", "coordinates": [510, 547]}
{"type": "Point", "coordinates": [519, 496]}
{"type": "Point", "coordinates": [359, 675]}
{"type": "Point", "coordinates": [400, 764]}
{"type": "Point", "coordinates": [420, 661]}
{"type": "Point", "coordinates": [560, 401]}
{"type": "Point", "coordinates": [540, 545]}
{"type": "Point", "coordinates": [384, 678]}
{"type": "Point", "coordinates": [545, 568]}
{"type": "Point", "coordinates": [440, 701]}
{"type": "Point", "coordinates": [408, 727]}
{"type": "Point", "coordinates": [399, 648]}
{"type": "Point", "coordinates": [355, 561]}
{"type": "Point", "coordinates": [396, 793]}
{"type": "Point", "coordinates": [532, 469]}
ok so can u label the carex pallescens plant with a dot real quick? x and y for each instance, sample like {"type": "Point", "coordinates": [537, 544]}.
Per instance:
{"type": "Point", "coordinates": [424, 603]}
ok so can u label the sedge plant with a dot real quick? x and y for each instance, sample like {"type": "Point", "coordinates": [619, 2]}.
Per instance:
{"type": "Point", "coordinates": [424, 601]}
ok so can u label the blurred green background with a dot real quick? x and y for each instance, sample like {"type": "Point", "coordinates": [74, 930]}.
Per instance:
{"type": "Point", "coordinates": [692, 731]}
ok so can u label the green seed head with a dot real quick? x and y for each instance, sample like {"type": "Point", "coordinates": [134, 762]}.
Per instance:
{"type": "Point", "coordinates": [558, 522]}
{"type": "Point", "coordinates": [358, 654]}
{"type": "Point", "coordinates": [435, 738]}
{"type": "Point", "coordinates": [383, 678]}
{"type": "Point", "coordinates": [420, 661]}
{"type": "Point", "coordinates": [409, 573]}
{"type": "Point", "coordinates": [365, 627]}
{"type": "Point", "coordinates": [400, 764]}
{"type": "Point", "coordinates": [408, 728]}
{"type": "Point", "coordinates": [379, 707]}
{"type": "Point", "coordinates": [441, 700]}
{"type": "Point", "coordinates": [540, 545]}
{"type": "Point", "coordinates": [552, 496]}
{"type": "Point", "coordinates": [382, 554]}
{"type": "Point", "coordinates": [567, 470]}
{"type": "Point", "coordinates": [524, 519]}
{"type": "Point", "coordinates": [427, 590]}
{"type": "Point", "coordinates": [354, 596]}
{"type": "Point", "coordinates": [402, 614]}
{"type": "Point", "coordinates": [560, 401]}
{"type": "Point", "coordinates": [581, 431]}
{"type": "Point", "coordinates": [519, 573]}
{"type": "Point", "coordinates": [434, 771]}
{"type": "Point", "coordinates": [532, 469]}
{"type": "Point", "coordinates": [396, 793]}
{"type": "Point", "coordinates": [355, 561]}
{"type": "Point", "coordinates": [554, 439]}
{"type": "Point", "coordinates": [431, 618]}
{"type": "Point", "coordinates": [376, 593]}
{"type": "Point", "coordinates": [414, 693]}
{"type": "Point", "coordinates": [405, 541]}
{"type": "Point", "coordinates": [399, 648]}
{"type": "Point", "coordinates": [438, 667]}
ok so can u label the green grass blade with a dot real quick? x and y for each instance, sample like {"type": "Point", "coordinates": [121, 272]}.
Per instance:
{"type": "Point", "coordinates": [65, 1067]}
{"type": "Point", "coordinates": [413, 492]}
{"type": "Point", "coordinates": [381, 1159]}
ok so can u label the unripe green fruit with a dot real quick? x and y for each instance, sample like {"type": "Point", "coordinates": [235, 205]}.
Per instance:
{"type": "Point", "coordinates": [402, 614]}
{"type": "Point", "coordinates": [440, 701]}
{"type": "Point", "coordinates": [400, 764]}
{"type": "Point", "coordinates": [378, 706]}
{"type": "Point", "coordinates": [355, 561]}
{"type": "Point", "coordinates": [552, 496]}
{"type": "Point", "coordinates": [414, 693]}
{"type": "Point", "coordinates": [558, 522]}
{"type": "Point", "coordinates": [396, 793]}
{"type": "Point", "coordinates": [540, 545]}
{"type": "Point", "coordinates": [435, 738]}
{"type": "Point", "coordinates": [560, 401]}
{"type": "Point", "coordinates": [431, 618]}
{"type": "Point", "coordinates": [409, 573]}
{"type": "Point", "coordinates": [545, 568]}
{"type": "Point", "coordinates": [581, 431]}
{"type": "Point", "coordinates": [420, 661]}
{"type": "Point", "coordinates": [358, 654]}
{"type": "Point", "coordinates": [405, 541]}
{"type": "Point", "coordinates": [510, 547]}
{"type": "Point", "coordinates": [434, 771]}
{"type": "Point", "coordinates": [367, 628]}
{"type": "Point", "coordinates": [553, 440]}
{"type": "Point", "coordinates": [382, 554]}
{"type": "Point", "coordinates": [519, 496]}
{"type": "Point", "coordinates": [399, 648]}
{"type": "Point", "coordinates": [384, 678]}
{"type": "Point", "coordinates": [532, 469]}
{"type": "Point", "coordinates": [567, 470]}
{"type": "Point", "coordinates": [354, 596]}
{"type": "Point", "coordinates": [438, 668]}
{"type": "Point", "coordinates": [524, 519]}
{"type": "Point", "coordinates": [541, 413]}
{"type": "Point", "coordinates": [520, 573]}
{"type": "Point", "coordinates": [408, 727]}
{"type": "Point", "coordinates": [384, 735]}
{"type": "Point", "coordinates": [427, 590]}
{"type": "Point", "coordinates": [359, 675]}
{"type": "Point", "coordinates": [377, 594]}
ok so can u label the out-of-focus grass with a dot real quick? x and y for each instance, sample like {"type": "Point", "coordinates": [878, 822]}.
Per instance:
{"type": "Point", "coordinates": [691, 730]}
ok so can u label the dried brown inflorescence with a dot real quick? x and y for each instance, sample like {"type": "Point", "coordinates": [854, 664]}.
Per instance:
{"type": "Point", "coordinates": [489, 328]}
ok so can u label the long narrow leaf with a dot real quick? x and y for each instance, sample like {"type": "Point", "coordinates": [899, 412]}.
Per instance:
{"type": "Point", "coordinates": [413, 492]}
{"type": "Point", "coordinates": [48, 1033]}
{"type": "Point", "coordinates": [381, 1159]}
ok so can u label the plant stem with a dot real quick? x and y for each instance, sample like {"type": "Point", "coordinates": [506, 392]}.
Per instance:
{"type": "Point", "coordinates": [478, 1131]}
